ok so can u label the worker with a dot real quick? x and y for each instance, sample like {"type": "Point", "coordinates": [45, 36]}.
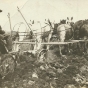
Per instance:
{"type": "Point", "coordinates": [6, 39]}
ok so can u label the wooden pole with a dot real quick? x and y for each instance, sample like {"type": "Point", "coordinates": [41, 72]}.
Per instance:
{"type": "Point", "coordinates": [23, 18]}
{"type": "Point", "coordinates": [10, 23]}
{"type": "Point", "coordinates": [44, 43]}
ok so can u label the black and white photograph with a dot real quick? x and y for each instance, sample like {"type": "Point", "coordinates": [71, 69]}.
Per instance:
{"type": "Point", "coordinates": [43, 43]}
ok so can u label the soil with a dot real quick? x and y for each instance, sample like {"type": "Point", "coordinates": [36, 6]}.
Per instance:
{"type": "Point", "coordinates": [54, 72]}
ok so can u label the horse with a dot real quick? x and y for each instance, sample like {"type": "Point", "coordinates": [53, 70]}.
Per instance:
{"type": "Point", "coordinates": [42, 34]}
{"type": "Point", "coordinates": [81, 29]}
{"type": "Point", "coordinates": [81, 32]}
{"type": "Point", "coordinates": [64, 32]}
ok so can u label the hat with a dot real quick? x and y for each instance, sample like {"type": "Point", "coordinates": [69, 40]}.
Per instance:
{"type": "Point", "coordinates": [0, 10]}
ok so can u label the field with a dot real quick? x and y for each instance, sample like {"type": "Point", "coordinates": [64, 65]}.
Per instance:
{"type": "Point", "coordinates": [51, 72]}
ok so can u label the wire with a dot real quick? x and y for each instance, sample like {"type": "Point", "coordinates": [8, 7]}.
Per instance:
{"type": "Point", "coordinates": [24, 4]}
{"type": "Point", "coordinates": [16, 12]}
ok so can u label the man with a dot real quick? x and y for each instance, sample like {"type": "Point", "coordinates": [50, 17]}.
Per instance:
{"type": "Point", "coordinates": [1, 33]}
{"type": "Point", "coordinates": [6, 39]}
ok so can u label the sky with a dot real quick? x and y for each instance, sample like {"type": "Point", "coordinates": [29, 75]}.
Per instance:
{"type": "Point", "coordinates": [38, 10]}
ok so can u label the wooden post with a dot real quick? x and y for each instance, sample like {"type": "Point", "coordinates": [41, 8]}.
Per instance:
{"type": "Point", "coordinates": [10, 23]}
